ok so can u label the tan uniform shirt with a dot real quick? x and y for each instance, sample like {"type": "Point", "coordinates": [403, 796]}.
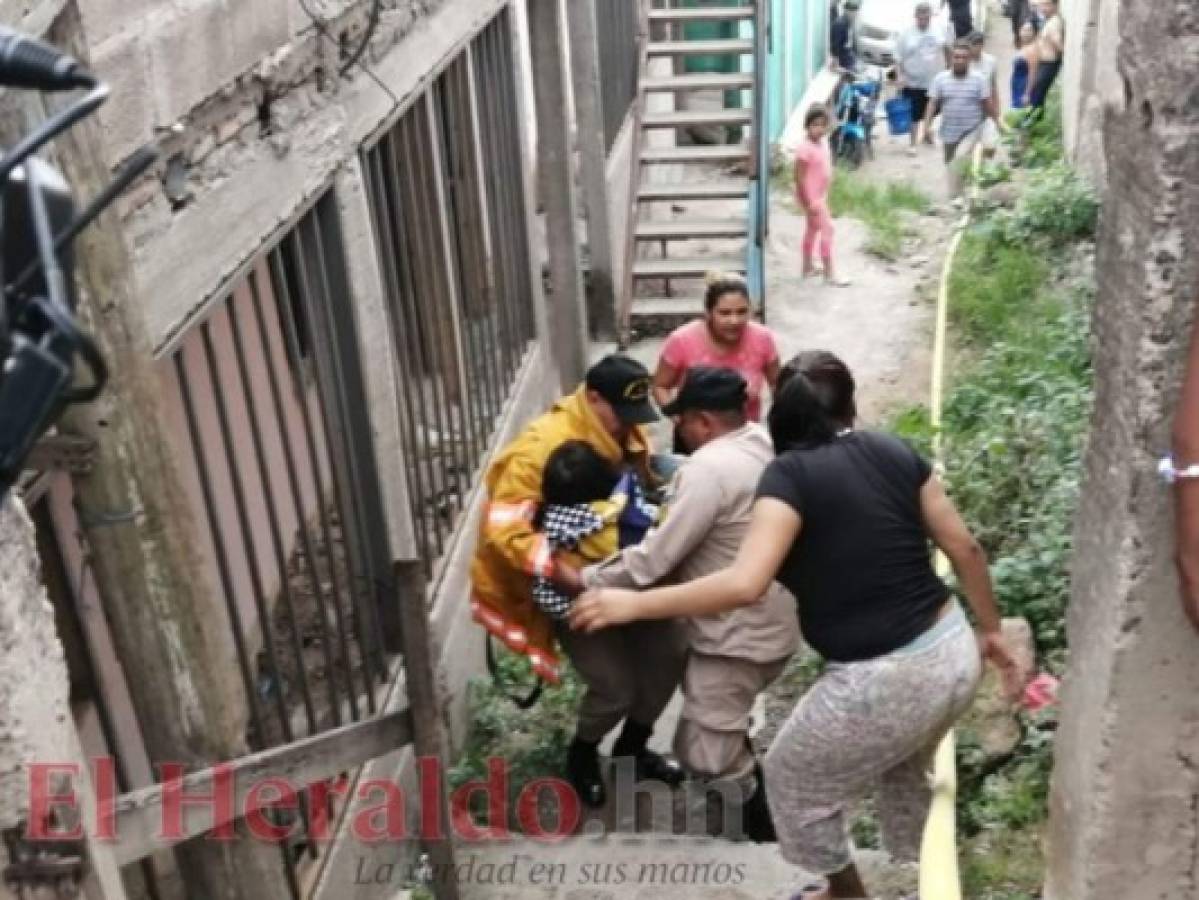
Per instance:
{"type": "Point", "coordinates": [705, 522]}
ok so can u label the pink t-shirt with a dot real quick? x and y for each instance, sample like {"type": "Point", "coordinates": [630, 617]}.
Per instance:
{"type": "Point", "coordinates": [690, 345]}
{"type": "Point", "coordinates": [818, 171]}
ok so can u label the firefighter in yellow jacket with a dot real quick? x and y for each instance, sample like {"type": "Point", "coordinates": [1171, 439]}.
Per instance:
{"type": "Point", "coordinates": [630, 673]}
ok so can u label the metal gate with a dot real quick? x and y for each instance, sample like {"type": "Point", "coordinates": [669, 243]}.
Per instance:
{"type": "Point", "coordinates": [272, 423]}
{"type": "Point", "coordinates": [445, 188]}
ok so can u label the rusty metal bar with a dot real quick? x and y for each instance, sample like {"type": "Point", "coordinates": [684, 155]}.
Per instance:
{"type": "Point", "coordinates": [283, 293]}
{"type": "Point", "coordinates": [222, 561]}
{"type": "Point", "coordinates": [405, 321]}
{"type": "Point", "coordinates": [517, 212]}
{"type": "Point", "coordinates": [385, 204]}
{"type": "Point", "coordinates": [272, 516]}
{"type": "Point", "coordinates": [468, 97]}
{"type": "Point", "coordinates": [301, 254]}
{"type": "Point", "coordinates": [297, 496]}
{"type": "Point", "coordinates": [457, 141]}
{"type": "Point", "coordinates": [505, 147]}
{"type": "Point", "coordinates": [499, 197]}
{"type": "Point", "coordinates": [349, 482]}
{"type": "Point", "coordinates": [249, 546]}
{"type": "Point", "coordinates": [449, 344]}
{"type": "Point", "coordinates": [424, 219]}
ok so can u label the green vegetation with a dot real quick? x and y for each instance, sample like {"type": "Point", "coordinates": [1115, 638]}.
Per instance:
{"type": "Point", "coordinates": [884, 208]}
{"type": "Point", "coordinates": [532, 742]}
{"type": "Point", "coordinates": [1013, 428]}
{"type": "Point", "coordinates": [1035, 138]}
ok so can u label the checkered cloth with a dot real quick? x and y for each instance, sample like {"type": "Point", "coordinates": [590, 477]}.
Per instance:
{"type": "Point", "coordinates": [566, 525]}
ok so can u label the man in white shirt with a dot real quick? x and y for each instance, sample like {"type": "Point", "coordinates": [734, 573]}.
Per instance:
{"type": "Point", "coordinates": [921, 53]}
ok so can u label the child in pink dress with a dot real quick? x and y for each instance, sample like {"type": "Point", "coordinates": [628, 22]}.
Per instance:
{"type": "Point", "coordinates": [813, 176]}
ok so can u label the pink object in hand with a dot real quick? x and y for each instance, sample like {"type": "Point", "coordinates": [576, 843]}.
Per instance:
{"type": "Point", "coordinates": [1040, 692]}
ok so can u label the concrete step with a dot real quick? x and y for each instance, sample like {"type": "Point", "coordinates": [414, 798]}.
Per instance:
{"type": "Point", "coordinates": [681, 193]}
{"type": "Point", "coordinates": [721, 153]}
{"type": "Point", "coordinates": [711, 14]}
{"type": "Point", "coordinates": [639, 867]}
{"type": "Point", "coordinates": [684, 267]}
{"type": "Point", "coordinates": [687, 118]}
{"type": "Point", "coordinates": [691, 229]}
{"type": "Point", "coordinates": [701, 48]}
{"type": "Point", "coordinates": [681, 307]}
{"type": "Point", "coordinates": [711, 81]}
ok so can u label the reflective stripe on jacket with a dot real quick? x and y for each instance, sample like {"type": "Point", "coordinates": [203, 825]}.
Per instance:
{"type": "Point", "coordinates": [509, 550]}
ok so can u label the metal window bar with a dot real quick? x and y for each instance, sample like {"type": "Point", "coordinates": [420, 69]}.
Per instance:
{"type": "Point", "coordinates": [444, 188]}
{"type": "Point", "coordinates": [273, 422]}
{"type": "Point", "coordinates": [289, 508]}
{"type": "Point", "coordinates": [616, 36]}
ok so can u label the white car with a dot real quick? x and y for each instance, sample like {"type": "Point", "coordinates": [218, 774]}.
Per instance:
{"type": "Point", "coordinates": [880, 22]}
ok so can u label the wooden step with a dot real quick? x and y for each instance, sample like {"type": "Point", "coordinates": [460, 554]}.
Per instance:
{"type": "Point", "coordinates": [681, 193]}
{"type": "Point", "coordinates": [701, 48]}
{"type": "Point", "coordinates": [690, 229]}
{"type": "Point", "coordinates": [668, 306]}
{"type": "Point", "coordinates": [711, 14]}
{"type": "Point", "coordinates": [688, 118]}
{"type": "Point", "coordinates": [718, 154]}
{"type": "Point", "coordinates": [713, 81]}
{"type": "Point", "coordinates": [687, 268]}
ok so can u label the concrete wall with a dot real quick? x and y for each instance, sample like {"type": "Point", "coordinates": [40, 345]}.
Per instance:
{"type": "Point", "coordinates": [35, 717]}
{"type": "Point", "coordinates": [1090, 80]}
{"type": "Point", "coordinates": [620, 171]}
{"type": "Point", "coordinates": [1126, 783]}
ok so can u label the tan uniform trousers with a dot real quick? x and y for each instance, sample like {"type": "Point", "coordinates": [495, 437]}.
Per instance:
{"type": "Point", "coordinates": [718, 697]}
{"type": "Point", "coordinates": [630, 671]}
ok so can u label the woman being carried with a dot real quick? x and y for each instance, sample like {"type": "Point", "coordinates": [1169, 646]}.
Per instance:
{"type": "Point", "coordinates": [843, 520]}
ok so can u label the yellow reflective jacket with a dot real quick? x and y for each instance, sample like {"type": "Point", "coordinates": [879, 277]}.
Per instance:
{"type": "Point", "coordinates": [509, 550]}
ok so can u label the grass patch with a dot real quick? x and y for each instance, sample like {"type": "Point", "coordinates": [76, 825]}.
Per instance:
{"type": "Point", "coordinates": [884, 209]}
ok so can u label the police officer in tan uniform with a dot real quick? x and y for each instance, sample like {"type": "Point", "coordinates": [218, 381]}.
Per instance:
{"type": "Point", "coordinates": [735, 655]}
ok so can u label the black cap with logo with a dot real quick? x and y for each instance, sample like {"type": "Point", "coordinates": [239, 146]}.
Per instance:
{"type": "Point", "coordinates": [624, 383]}
{"type": "Point", "coordinates": [709, 388]}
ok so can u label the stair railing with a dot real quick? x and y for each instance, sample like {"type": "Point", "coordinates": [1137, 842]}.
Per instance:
{"type": "Point", "coordinates": [759, 164]}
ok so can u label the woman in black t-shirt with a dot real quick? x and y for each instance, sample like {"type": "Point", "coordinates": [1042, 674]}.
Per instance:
{"type": "Point", "coordinates": [844, 519]}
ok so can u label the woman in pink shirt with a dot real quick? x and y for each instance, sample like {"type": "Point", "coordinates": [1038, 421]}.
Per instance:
{"type": "Point", "coordinates": [813, 177]}
{"type": "Point", "coordinates": [725, 338]}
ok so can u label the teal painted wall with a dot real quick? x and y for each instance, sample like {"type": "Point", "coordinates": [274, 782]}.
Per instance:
{"type": "Point", "coordinates": [798, 50]}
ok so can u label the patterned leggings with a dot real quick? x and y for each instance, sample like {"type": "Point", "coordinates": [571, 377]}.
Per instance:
{"type": "Point", "coordinates": [869, 727]}
{"type": "Point", "coordinates": [819, 231]}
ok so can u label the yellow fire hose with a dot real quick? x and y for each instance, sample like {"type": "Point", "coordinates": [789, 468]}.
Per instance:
{"type": "Point", "coordinates": [939, 875]}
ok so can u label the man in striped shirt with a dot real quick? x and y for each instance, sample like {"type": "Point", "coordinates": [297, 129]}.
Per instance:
{"type": "Point", "coordinates": [964, 100]}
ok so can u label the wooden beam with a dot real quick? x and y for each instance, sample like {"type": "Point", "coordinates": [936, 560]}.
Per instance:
{"type": "Point", "coordinates": [139, 814]}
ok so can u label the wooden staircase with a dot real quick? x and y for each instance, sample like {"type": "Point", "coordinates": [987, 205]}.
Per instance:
{"type": "Point", "coordinates": [691, 202]}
